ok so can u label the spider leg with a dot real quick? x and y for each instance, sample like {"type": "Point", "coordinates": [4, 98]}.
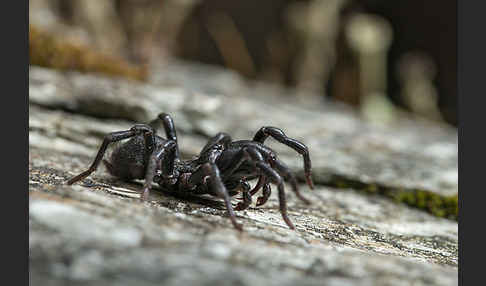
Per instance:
{"type": "Point", "coordinates": [220, 138]}
{"type": "Point", "coordinates": [214, 148]}
{"type": "Point", "coordinates": [217, 186]}
{"type": "Point", "coordinates": [280, 136]}
{"type": "Point", "coordinates": [277, 179]}
{"type": "Point", "coordinates": [267, 191]}
{"type": "Point", "coordinates": [114, 137]}
{"type": "Point", "coordinates": [259, 185]}
{"type": "Point", "coordinates": [163, 156]}
{"type": "Point", "coordinates": [270, 173]}
{"type": "Point", "coordinates": [246, 197]}
{"type": "Point", "coordinates": [169, 128]}
{"type": "Point", "coordinates": [288, 176]}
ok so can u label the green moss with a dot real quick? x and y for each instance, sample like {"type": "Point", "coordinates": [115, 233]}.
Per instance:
{"type": "Point", "coordinates": [434, 203]}
{"type": "Point", "coordinates": [48, 51]}
{"type": "Point", "coordinates": [439, 205]}
{"type": "Point", "coordinates": [341, 184]}
{"type": "Point", "coordinates": [372, 188]}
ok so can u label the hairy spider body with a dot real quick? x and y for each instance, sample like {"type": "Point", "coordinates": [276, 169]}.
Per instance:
{"type": "Point", "coordinates": [223, 167]}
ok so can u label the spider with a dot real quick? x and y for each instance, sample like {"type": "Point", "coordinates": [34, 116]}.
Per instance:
{"type": "Point", "coordinates": [223, 167]}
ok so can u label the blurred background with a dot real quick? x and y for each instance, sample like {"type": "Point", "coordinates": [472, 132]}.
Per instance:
{"type": "Point", "coordinates": [377, 55]}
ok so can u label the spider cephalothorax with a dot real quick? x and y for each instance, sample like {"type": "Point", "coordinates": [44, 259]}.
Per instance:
{"type": "Point", "coordinates": [223, 168]}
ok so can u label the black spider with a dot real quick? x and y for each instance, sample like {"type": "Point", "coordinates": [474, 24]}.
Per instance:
{"type": "Point", "coordinates": [223, 168]}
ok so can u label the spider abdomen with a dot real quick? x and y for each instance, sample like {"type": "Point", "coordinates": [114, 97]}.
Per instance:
{"type": "Point", "coordinates": [128, 161]}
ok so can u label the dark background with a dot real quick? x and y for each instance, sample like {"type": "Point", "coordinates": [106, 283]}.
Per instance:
{"type": "Point", "coordinates": [300, 44]}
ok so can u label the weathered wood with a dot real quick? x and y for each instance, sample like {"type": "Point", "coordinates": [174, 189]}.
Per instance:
{"type": "Point", "coordinates": [98, 232]}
